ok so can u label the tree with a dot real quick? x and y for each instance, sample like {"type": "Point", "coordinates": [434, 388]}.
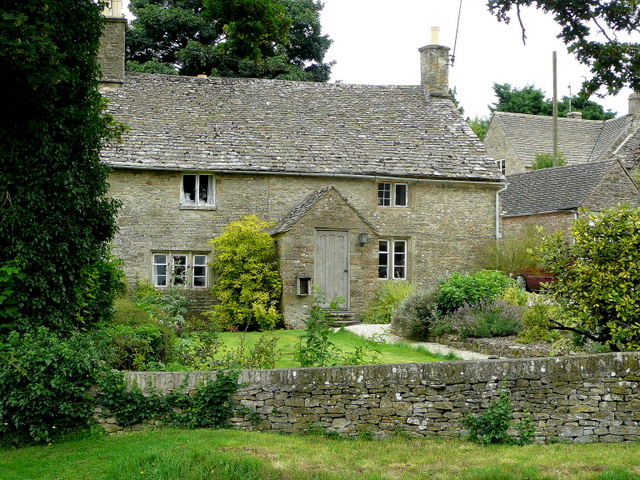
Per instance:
{"type": "Point", "coordinates": [479, 125]}
{"type": "Point", "coordinates": [614, 63]}
{"type": "Point", "coordinates": [531, 100]}
{"type": "Point", "coordinates": [247, 284]}
{"type": "Point", "coordinates": [55, 219]}
{"type": "Point", "coordinates": [230, 38]}
{"type": "Point", "coordinates": [597, 274]}
{"type": "Point", "coordinates": [545, 160]}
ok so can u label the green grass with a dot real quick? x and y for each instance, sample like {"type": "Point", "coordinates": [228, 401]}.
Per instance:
{"type": "Point", "coordinates": [344, 340]}
{"type": "Point", "coordinates": [235, 455]}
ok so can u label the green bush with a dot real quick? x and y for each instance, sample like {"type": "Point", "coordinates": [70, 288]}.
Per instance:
{"type": "Point", "coordinates": [134, 340]}
{"type": "Point", "coordinates": [537, 321]}
{"type": "Point", "coordinates": [386, 299]}
{"type": "Point", "coordinates": [513, 253]}
{"type": "Point", "coordinates": [247, 284]}
{"type": "Point", "coordinates": [416, 315]}
{"type": "Point", "coordinates": [486, 320]}
{"type": "Point", "coordinates": [210, 406]}
{"type": "Point", "coordinates": [44, 385]}
{"type": "Point", "coordinates": [167, 306]}
{"type": "Point", "coordinates": [9, 302]}
{"type": "Point", "coordinates": [492, 426]}
{"type": "Point", "coordinates": [597, 274]}
{"type": "Point", "coordinates": [459, 290]}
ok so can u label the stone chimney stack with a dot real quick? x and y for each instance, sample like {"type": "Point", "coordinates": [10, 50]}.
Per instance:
{"type": "Point", "coordinates": [111, 52]}
{"type": "Point", "coordinates": [634, 105]}
{"type": "Point", "coordinates": [434, 67]}
{"type": "Point", "coordinates": [576, 115]}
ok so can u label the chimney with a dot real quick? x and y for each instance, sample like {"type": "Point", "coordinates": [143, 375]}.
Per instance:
{"type": "Point", "coordinates": [111, 52]}
{"type": "Point", "coordinates": [576, 115]}
{"type": "Point", "coordinates": [634, 105]}
{"type": "Point", "coordinates": [434, 66]}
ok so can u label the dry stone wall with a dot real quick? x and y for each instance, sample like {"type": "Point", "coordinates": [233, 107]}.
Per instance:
{"type": "Point", "coordinates": [578, 399]}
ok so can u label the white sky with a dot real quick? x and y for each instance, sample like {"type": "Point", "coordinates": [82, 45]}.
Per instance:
{"type": "Point", "coordinates": [376, 42]}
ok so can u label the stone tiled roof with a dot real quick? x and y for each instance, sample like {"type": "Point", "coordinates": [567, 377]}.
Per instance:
{"type": "Point", "coordinates": [290, 219]}
{"type": "Point", "coordinates": [552, 189]}
{"type": "Point", "coordinates": [579, 140]}
{"type": "Point", "coordinates": [250, 125]}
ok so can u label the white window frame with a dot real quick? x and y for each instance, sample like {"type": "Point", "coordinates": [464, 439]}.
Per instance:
{"type": "Point", "coordinates": [179, 269]}
{"type": "Point", "coordinates": [392, 197]}
{"type": "Point", "coordinates": [201, 179]}
{"type": "Point", "coordinates": [502, 166]}
{"type": "Point", "coordinates": [395, 263]}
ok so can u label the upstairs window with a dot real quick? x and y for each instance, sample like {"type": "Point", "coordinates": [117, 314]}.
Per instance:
{"type": "Point", "coordinates": [502, 165]}
{"type": "Point", "coordinates": [197, 190]}
{"type": "Point", "coordinates": [392, 259]}
{"type": "Point", "coordinates": [179, 269]}
{"type": "Point", "coordinates": [393, 194]}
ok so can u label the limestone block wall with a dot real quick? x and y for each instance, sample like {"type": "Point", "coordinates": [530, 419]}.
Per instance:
{"type": "Point", "coordinates": [578, 399]}
{"type": "Point", "coordinates": [550, 222]}
{"type": "Point", "coordinates": [444, 223]}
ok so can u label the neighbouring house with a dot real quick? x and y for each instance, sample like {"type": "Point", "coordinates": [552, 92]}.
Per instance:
{"type": "Point", "coordinates": [514, 139]}
{"type": "Point", "coordinates": [364, 184]}
{"type": "Point", "coordinates": [551, 197]}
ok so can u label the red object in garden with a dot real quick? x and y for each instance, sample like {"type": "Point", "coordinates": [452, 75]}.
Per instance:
{"type": "Point", "coordinates": [534, 278]}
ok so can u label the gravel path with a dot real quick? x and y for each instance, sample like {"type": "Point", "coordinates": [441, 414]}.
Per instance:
{"type": "Point", "coordinates": [383, 332]}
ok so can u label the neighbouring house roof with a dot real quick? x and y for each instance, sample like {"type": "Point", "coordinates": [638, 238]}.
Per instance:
{"type": "Point", "coordinates": [277, 126]}
{"type": "Point", "coordinates": [552, 189]}
{"type": "Point", "coordinates": [579, 140]}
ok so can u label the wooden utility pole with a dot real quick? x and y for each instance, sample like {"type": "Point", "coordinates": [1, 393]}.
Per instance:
{"type": "Point", "coordinates": [555, 109]}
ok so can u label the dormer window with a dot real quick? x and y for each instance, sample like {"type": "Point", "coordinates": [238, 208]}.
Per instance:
{"type": "Point", "coordinates": [393, 194]}
{"type": "Point", "coordinates": [197, 191]}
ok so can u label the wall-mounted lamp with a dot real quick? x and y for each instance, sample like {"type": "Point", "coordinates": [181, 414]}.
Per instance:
{"type": "Point", "coordinates": [362, 238]}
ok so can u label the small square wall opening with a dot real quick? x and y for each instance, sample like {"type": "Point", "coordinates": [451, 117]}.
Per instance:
{"type": "Point", "coordinates": [304, 285]}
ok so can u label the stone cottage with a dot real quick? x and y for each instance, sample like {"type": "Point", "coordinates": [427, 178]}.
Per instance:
{"type": "Point", "coordinates": [364, 184]}
{"type": "Point", "coordinates": [551, 197]}
{"type": "Point", "coordinates": [514, 139]}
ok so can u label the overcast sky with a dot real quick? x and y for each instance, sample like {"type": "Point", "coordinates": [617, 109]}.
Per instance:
{"type": "Point", "coordinates": [376, 42]}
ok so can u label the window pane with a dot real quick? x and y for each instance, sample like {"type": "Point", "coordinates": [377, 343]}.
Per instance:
{"type": "Point", "coordinates": [199, 270]}
{"type": "Point", "coordinates": [383, 259]}
{"type": "Point", "coordinates": [203, 189]}
{"type": "Point", "coordinates": [384, 194]}
{"type": "Point", "coordinates": [159, 272]}
{"type": "Point", "coordinates": [179, 270]}
{"type": "Point", "coordinates": [401, 195]}
{"type": "Point", "coordinates": [189, 188]}
{"type": "Point", "coordinates": [399, 258]}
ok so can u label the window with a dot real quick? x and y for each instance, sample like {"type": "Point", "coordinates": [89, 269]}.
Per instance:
{"type": "Point", "coordinates": [197, 190]}
{"type": "Point", "coordinates": [393, 194]}
{"type": "Point", "coordinates": [392, 259]}
{"type": "Point", "coordinates": [179, 269]}
{"type": "Point", "coordinates": [502, 165]}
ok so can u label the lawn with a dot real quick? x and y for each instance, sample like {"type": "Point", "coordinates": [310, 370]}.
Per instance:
{"type": "Point", "coordinates": [344, 340]}
{"type": "Point", "coordinates": [235, 455]}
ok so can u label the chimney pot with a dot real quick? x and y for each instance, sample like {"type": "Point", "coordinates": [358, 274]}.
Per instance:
{"type": "Point", "coordinates": [435, 35]}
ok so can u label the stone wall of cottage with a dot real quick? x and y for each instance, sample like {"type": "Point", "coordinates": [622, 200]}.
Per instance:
{"type": "Point", "coordinates": [550, 222]}
{"type": "Point", "coordinates": [499, 147]}
{"type": "Point", "coordinates": [616, 187]}
{"type": "Point", "coordinates": [577, 399]}
{"type": "Point", "coordinates": [445, 223]}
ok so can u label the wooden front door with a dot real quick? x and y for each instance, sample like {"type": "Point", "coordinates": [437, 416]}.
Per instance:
{"type": "Point", "coordinates": [332, 265]}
